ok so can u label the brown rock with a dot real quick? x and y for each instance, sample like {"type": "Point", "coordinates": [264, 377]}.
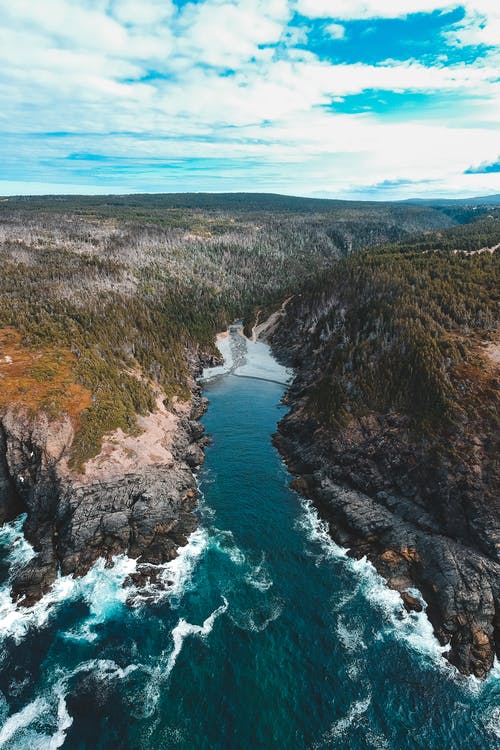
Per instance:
{"type": "Point", "coordinates": [411, 603]}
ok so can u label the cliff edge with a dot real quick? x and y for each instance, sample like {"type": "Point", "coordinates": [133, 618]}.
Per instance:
{"type": "Point", "coordinates": [393, 430]}
{"type": "Point", "coordinates": [137, 495]}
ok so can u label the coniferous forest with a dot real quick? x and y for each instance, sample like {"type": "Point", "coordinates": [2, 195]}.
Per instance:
{"type": "Point", "coordinates": [119, 290]}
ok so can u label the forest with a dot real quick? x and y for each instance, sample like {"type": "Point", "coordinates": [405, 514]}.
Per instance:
{"type": "Point", "coordinates": [126, 290]}
{"type": "Point", "coordinates": [409, 328]}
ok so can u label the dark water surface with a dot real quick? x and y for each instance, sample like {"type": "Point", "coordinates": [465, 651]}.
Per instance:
{"type": "Point", "coordinates": [270, 636]}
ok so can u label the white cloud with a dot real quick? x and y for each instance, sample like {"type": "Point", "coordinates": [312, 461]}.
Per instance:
{"type": "Point", "coordinates": [226, 34]}
{"type": "Point", "coordinates": [335, 30]}
{"type": "Point", "coordinates": [83, 66]}
{"type": "Point", "coordinates": [66, 21]}
{"type": "Point", "coordinates": [86, 28]}
{"type": "Point", "coordinates": [359, 9]}
{"type": "Point", "coordinates": [481, 24]}
{"type": "Point", "coordinates": [145, 13]}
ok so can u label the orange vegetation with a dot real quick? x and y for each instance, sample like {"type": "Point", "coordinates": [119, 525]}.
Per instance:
{"type": "Point", "coordinates": [39, 379]}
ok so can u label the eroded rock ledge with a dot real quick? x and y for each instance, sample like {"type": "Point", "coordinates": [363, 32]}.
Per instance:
{"type": "Point", "coordinates": [420, 523]}
{"type": "Point", "coordinates": [137, 496]}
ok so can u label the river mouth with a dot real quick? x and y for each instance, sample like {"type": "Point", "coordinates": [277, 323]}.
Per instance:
{"type": "Point", "coordinates": [246, 358]}
{"type": "Point", "coordinates": [268, 635]}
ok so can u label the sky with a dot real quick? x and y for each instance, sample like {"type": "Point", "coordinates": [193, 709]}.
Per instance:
{"type": "Point", "coordinates": [363, 99]}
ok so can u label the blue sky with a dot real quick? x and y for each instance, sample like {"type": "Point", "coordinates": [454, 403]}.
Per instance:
{"type": "Point", "coordinates": [348, 98]}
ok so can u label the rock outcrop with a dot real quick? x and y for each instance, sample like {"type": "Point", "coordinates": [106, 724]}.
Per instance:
{"type": "Point", "coordinates": [372, 495]}
{"type": "Point", "coordinates": [128, 500]}
{"type": "Point", "coordinates": [426, 517]}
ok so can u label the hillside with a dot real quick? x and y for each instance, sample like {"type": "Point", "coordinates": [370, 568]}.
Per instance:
{"type": "Point", "coordinates": [395, 420]}
{"type": "Point", "coordinates": [129, 284]}
{"type": "Point", "coordinates": [109, 307]}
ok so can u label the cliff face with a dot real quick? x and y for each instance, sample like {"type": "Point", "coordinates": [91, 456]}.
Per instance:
{"type": "Point", "coordinates": [424, 508]}
{"type": "Point", "coordinates": [138, 503]}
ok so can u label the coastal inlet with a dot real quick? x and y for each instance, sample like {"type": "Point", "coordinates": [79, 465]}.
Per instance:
{"type": "Point", "coordinates": [267, 635]}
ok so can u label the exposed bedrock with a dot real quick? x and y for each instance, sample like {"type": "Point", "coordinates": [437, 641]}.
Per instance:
{"type": "Point", "coordinates": [419, 523]}
{"type": "Point", "coordinates": [143, 510]}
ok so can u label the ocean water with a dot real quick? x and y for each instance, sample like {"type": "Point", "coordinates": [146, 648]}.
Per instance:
{"type": "Point", "coordinates": [266, 635]}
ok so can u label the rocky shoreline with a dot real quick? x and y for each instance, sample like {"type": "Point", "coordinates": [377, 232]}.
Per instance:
{"type": "Point", "coordinates": [384, 495]}
{"type": "Point", "coordinates": [423, 525]}
{"type": "Point", "coordinates": [141, 504]}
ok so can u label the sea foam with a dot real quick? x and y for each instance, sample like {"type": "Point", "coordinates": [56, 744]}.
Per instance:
{"type": "Point", "coordinates": [174, 578]}
{"type": "Point", "coordinates": [183, 629]}
{"type": "Point", "coordinates": [44, 722]}
{"type": "Point", "coordinates": [101, 588]}
{"type": "Point", "coordinates": [413, 628]}
{"type": "Point", "coordinates": [162, 670]}
{"type": "Point", "coordinates": [340, 727]}
{"type": "Point", "coordinates": [258, 577]}
{"type": "Point", "coordinates": [12, 539]}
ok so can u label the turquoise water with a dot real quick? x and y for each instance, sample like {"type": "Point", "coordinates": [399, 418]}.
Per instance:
{"type": "Point", "coordinates": [268, 637]}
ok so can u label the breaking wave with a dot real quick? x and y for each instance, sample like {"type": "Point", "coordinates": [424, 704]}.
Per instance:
{"type": "Point", "coordinates": [101, 588]}
{"type": "Point", "coordinates": [413, 628]}
{"type": "Point", "coordinates": [175, 577]}
{"type": "Point", "coordinates": [341, 727]}
{"type": "Point", "coordinates": [184, 629]}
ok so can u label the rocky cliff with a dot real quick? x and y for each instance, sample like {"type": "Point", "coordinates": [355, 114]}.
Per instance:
{"type": "Point", "coordinates": [422, 505]}
{"type": "Point", "coordinates": [137, 496]}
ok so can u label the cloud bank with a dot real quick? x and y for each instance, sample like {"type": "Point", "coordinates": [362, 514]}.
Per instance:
{"type": "Point", "coordinates": [297, 96]}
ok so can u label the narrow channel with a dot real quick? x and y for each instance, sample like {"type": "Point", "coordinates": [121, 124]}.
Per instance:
{"type": "Point", "coordinates": [269, 635]}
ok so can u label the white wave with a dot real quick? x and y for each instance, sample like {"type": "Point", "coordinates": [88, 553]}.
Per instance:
{"type": "Point", "coordinates": [316, 531]}
{"type": "Point", "coordinates": [377, 740]}
{"type": "Point", "coordinates": [357, 709]}
{"type": "Point", "coordinates": [256, 620]}
{"type": "Point", "coordinates": [183, 629]}
{"type": "Point", "coordinates": [495, 671]}
{"type": "Point", "coordinates": [341, 601]}
{"type": "Point", "coordinates": [223, 540]}
{"type": "Point", "coordinates": [16, 687]}
{"type": "Point", "coordinates": [164, 666]}
{"type": "Point", "coordinates": [491, 721]}
{"type": "Point", "coordinates": [236, 555]}
{"type": "Point", "coordinates": [64, 722]}
{"type": "Point", "coordinates": [101, 588]}
{"type": "Point", "coordinates": [22, 719]}
{"type": "Point", "coordinates": [12, 538]}
{"type": "Point", "coordinates": [16, 621]}
{"type": "Point", "coordinates": [350, 636]}
{"type": "Point", "coordinates": [355, 669]}
{"type": "Point", "coordinates": [493, 678]}
{"type": "Point", "coordinates": [413, 628]}
{"type": "Point", "coordinates": [341, 726]}
{"type": "Point", "coordinates": [207, 513]}
{"type": "Point", "coordinates": [105, 669]}
{"type": "Point", "coordinates": [180, 570]}
{"type": "Point", "coordinates": [259, 577]}
{"type": "Point", "coordinates": [4, 707]}
{"type": "Point", "coordinates": [476, 686]}
{"type": "Point", "coordinates": [43, 723]}
{"type": "Point", "coordinates": [26, 728]}
{"type": "Point", "coordinates": [174, 577]}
